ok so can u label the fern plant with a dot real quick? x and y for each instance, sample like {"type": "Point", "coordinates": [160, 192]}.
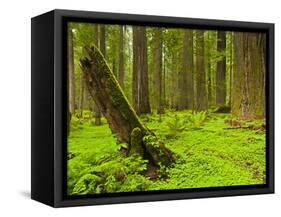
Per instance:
{"type": "Point", "coordinates": [197, 119]}
{"type": "Point", "coordinates": [175, 126]}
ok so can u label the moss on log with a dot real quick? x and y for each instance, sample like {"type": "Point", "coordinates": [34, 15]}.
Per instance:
{"type": "Point", "coordinates": [122, 119]}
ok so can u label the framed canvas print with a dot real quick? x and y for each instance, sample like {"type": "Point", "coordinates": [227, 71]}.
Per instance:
{"type": "Point", "coordinates": [130, 108]}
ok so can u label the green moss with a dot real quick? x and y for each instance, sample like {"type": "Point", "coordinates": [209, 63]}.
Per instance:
{"type": "Point", "coordinates": [119, 99]}
{"type": "Point", "coordinates": [152, 140]}
{"type": "Point", "coordinates": [208, 157]}
{"type": "Point", "coordinates": [136, 142]}
{"type": "Point", "coordinates": [86, 184]}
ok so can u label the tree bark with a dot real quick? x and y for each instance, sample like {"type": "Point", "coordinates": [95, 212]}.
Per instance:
{"type": "Point", "coordinates": [121, 58]}
{"type": "Point", "coordinates": [186, 74]}
{"type": "Point", "coordinates": [135, 74]}
{"type": "Point", "coordinates": [174, 80]}
{"type": "Point", "coordinates": [221, 70]}
{"type": "Point", "coordinates": [82, 94]}
{"type": "Point", "coordinates": [140, 72]}
{"type": "Point", "coordinates": [71, 79]}
{"type": "Point", "coordinates": [71, 74]}
{"type": "Point", "coordinates": [209, 81]}
{"type": "Point", "coordinates": [122, 119]}
{"type": "Point", "coordinates": [157, 70]}
{"type": "Point", "coordinates": [231, 68]}
{"type": "Point", "coordinates": [115, 51]}
{"type": "Point", "coordinates": [201, 93]}
{"type": "Point", "coordinates": [164, 77]}
{"type": "Point", "coordinates": [103, 51]}
{"type": "Point", "coordinates": [248, 94]}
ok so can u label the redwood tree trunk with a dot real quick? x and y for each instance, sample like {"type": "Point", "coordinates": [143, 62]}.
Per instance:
{"type": "Point", "coordinates": [121, 117]}
{"type": "Point", "coordinates": [248, 94]}
{"type": "Point", "coordinates": [82, 95]}
{"type": "Point", "coordinates": [71, 78]}
{"type": "Point", "coordinates": [186, 75]}
{"type": "Point", "coordinates": [140, 72]}
{"type": "Point", "coordinates": [103, 51]}
{"type": "Point", "coordinates": [157, 70]}
{"type": "Point", "coordinates": [209, 81]}
{"type": "Point", "coordinates": [71, 74]}
{"type": "Point", "coordinates": [201, 93]}
{"type": "Point", "coordinates": [174, 81]}
{"type": "Point", "coordinates": [121, 75]}
{"type": "Point", "coordinates": [221, 70]}
{"type": "Point", "coordinates": [231, 68]}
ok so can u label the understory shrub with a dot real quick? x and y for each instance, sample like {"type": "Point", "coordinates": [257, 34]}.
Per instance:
{"type": "Point", "coordinates": [196, 120]}
{"type": "Point", "coordinates": [112, 174]}
{"type": "Point", "coordinates": [175, 126]}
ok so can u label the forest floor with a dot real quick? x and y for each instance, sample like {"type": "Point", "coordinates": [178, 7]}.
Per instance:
{"type": "Point", "coordinates": [209, 153]}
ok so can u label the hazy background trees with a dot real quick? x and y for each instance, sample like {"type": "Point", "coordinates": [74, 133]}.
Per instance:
{"type": "Point", "coordinates": [168, 68]}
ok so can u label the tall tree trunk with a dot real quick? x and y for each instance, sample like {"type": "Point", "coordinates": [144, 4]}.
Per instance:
{"type": "Point", "coordinates": [248, 92]}
{"type": "Point", "coordinates": [221, 70]}
{"type": "Point", "coordinates": [85, 96]}
{"type": "Point", "coordinates": [230, 68]}
{"type": "Point", "coordinates": [96, 35]}
{"type": "Point", "coordinates": [135, 76]}
{"type": "Point", "coordinates": [213, 62]}
{"type": "Point", "coordinates": [209, 82]}
{"type": "Point", "coordinates": [164, 77]}
{"type": "Point", "coordinates": [174, 85]}
{"type": "Point", "coordinates": [140, 92]}
{"type": "Point", "coordinates": [114, 68]}
{"type": "Point", "coordinates": [103, 51]}
{"type": "Point", "coordinates": [121, 117]}
{"type": "Point", "coordinates": [208, 68]}
{"type": "Point", "coordinates": [157, 69]}
{"type": "Point", "coordinates": [71, 76]}
{"type": "Point", "coordinates": [121, 58]}
{"type": "Point", "coordinates": [97, 41]}
{"type": "Point", "coordinates": [201, 92]}
{"type": "Point", "coordinates": [82, 94]}
{"type": "Point", "coordinates": [71, 73]}
{"type": "Point", "coordinates": [115, 53]}
{"type": "Point", "coordinates": [186, 74]}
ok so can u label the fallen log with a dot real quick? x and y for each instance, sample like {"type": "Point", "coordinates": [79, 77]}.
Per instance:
{"type": "Point", "coordinates": [121, 117]}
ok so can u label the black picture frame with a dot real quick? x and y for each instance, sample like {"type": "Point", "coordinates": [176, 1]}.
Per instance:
{"type": "Point", "coordinates": [49, 113]}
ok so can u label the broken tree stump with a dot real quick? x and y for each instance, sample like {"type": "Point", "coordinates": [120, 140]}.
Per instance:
{"type": "Point", "coordinates": [121, 117]}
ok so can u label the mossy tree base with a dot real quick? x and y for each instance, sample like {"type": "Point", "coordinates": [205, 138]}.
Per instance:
{"type": "Point", "coordinates": [121, 117]}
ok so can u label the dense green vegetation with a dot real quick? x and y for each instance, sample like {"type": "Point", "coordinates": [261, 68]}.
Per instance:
{"type": "Point", "coordinates": [155, 108]}
{"type": "Point", "coordinates": [209, 153]}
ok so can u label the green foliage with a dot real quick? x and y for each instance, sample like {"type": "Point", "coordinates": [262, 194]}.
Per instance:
{"type": "Point", "coordinates": [209, 151]}
{"type": "Point", "coordinates": [86, 185]}
{"type": "Point", "coordinates": [135, 182]}
{"type": "Point", "coordinates": [110, 175]}
{"type": "Point", "coordinates": [87, 115]}
{"type": "Point", "coordinates": [197, 119]}
{"type": "Point", "coordinates": [211, 156]}
{"type": "Point", "coordinates": [97, 166]}
{"type": "Point", "coordinates": [75, 123]}
{"type": "Point", "coordinates": [176, 126]}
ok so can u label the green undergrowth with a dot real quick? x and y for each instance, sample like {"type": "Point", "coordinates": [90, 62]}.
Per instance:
{"type": "Point", "coordinates": [209, 153]}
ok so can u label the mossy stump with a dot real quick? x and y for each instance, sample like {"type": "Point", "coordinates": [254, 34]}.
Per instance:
{"type": "Point", "coordinates": [122, 119]}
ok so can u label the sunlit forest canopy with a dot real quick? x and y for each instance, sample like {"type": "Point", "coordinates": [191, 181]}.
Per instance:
{"type": "Point", "coordinates": [154, 108]}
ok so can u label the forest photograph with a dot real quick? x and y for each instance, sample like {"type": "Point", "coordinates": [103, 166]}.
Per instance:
{"type": "Point", "coordinates": [163, 108]}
